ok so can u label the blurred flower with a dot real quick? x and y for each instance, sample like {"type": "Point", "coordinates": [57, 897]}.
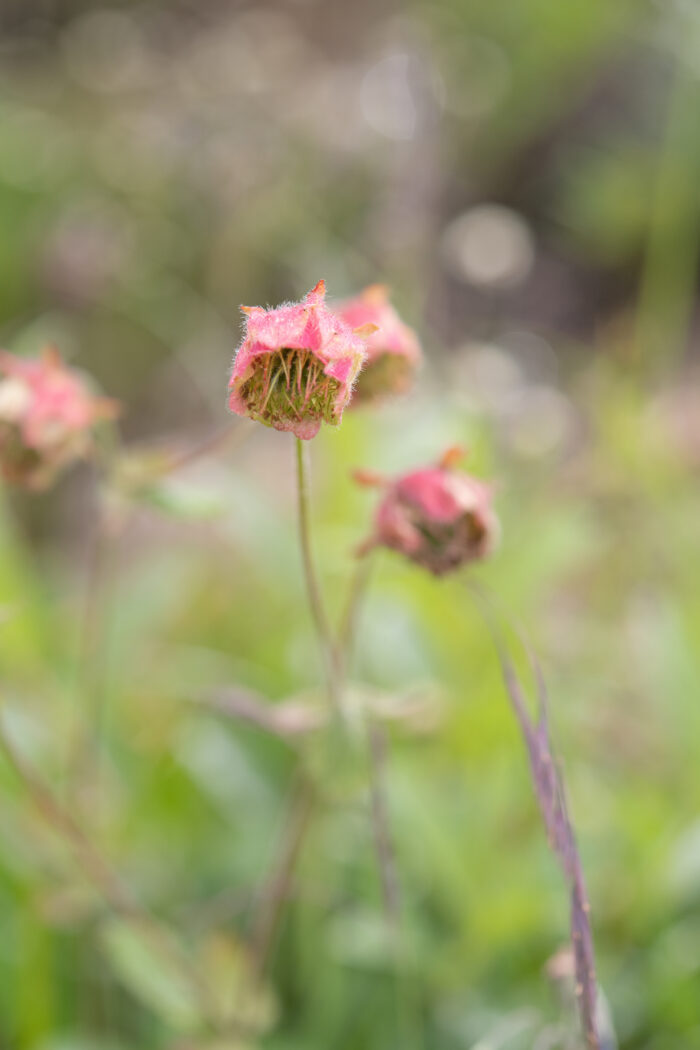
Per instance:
{"type": "Point", "coordinates": [438, 517]}
{"type": "Point", "coordinates": [46, 415]}
{"type": "Point", "coordinates": [85, 251]}
{"type": "Point", "coordinates": [104, 51]}
{"type": "Point", "coordinates": [296, 366]}
{"type": "Point", "coordinates": [388, 103]}
{"type": "Point", "coordinates": [489, 246]}
{"type": "Point", "coordinates": [393, 350]}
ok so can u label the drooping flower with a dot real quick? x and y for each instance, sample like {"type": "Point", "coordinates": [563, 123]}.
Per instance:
{"type": "Point", "coordinates": [296, 366]}
{"type": "Point", "coordinates": [393, 350]}
{"type": "Point", "coordinates": [438, 517]}
{"type": "Point", "coordinates": [46, 416]}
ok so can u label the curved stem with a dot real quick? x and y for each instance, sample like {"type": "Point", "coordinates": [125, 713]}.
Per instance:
{"type": "Point", "coordinates": [278, 887]}
{"type": "Point", "coordinates": [383, 843]}
{"type": "Point", "coordinates": [92, 656]}
{"type": "Point", "coordinates": [329, 652]}
{"type": "Point", "coordinates": [103, 878]}
{"type": "Point", "coordinates": [300, 807]}
{"type": "Point", "coordinates": [351, 614]}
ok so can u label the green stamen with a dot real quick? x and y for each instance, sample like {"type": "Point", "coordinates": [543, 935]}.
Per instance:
{"type": "Point", "coordinates": [290, 385]}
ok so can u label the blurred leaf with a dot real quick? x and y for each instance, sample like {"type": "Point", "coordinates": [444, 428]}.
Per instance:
{"type": "Point", "coordinates": [183, 498]}
{"type": "Point", "coordinates": [81, 1042]}
{"type": "Point", "coordinates": [145, 966]}
{"type": "Point", "coordinates": [238, 997]}
{"type": "Point", "coordinates": [361, 937]}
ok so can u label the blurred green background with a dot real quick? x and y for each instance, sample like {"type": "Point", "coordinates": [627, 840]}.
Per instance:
{"type": "Point", "coordinates": [525, 176]}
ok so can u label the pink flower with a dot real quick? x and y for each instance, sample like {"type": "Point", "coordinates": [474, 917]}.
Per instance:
{"type": "Point", "coordinates": [439, 517]}
{"type": "Point", "coordinates": [393, 350]}
{"type": "Point", "coordinates": [46, 415]}
{"type": "Point", "coordinates": [296, 366]}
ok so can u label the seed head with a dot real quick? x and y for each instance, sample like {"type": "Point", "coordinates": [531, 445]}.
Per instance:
{"type": "Point", "coordinates": [47, 413]}
{"type": "Point", "coordinates": [393, 350]}
{"type": "Point", "coordinates": [438, 517]}
{"type": "Point", "coordinates": [296, 366]}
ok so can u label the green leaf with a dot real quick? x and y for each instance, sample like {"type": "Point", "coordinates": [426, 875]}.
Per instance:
{"type": "Point", "coordinates": [145, 959]}
{"type": "Point", "coordinates": [182, 499]}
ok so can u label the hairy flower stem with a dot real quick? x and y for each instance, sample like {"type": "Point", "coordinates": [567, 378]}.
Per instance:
{"type": "Point", "coordinates": [329, 652]}
{"type": "Point", "coordinates": [302, 802]}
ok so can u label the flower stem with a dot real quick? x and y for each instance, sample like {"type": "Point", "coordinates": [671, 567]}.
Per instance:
{"type": "Point", "coordinates": [351, 614]}
{"type": "Point", "coordinates": [278, 888]}
{"type": "Point", "coordinates": [329, 653]}
{"type": "Point", "coordinates": [302, 803]}
{"type": "Point", "coordinates": [383, 844]}
{"type": "Point", "coordinates": [103, 878]}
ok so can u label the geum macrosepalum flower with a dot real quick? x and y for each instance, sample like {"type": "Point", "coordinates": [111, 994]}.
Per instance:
{"type": "Point", "coordinates": [296, 366]}
{"type": "Point", "coordinates": [438, 517]}
{"type": "Point", "coordinates": [393, 350]}
{"type": "Point", "coordinates": [47, 413]}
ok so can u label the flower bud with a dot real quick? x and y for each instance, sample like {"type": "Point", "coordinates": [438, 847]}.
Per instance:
{"type": "Point", "coordinates": [439, 517]}
{"type": "Point", "coordinates": [296, 366]}
{"type": "Point", "coordinates": [46, 416]}
{"type": "Point", "coordinates": [393, 350]}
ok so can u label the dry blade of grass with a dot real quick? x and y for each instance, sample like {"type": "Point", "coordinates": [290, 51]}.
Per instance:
{"type": "Point", "coordinates": [549, 790]}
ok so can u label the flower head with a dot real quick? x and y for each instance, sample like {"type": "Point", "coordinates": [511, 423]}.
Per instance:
{"type": "Point", "coordinates": [296, 366]}
{"type": "Point", "coordinates": [46, 415]}
{"type": "Point", "coordinates": [439, 517]}
{"type": "Point", "coordinates": [393, 350]}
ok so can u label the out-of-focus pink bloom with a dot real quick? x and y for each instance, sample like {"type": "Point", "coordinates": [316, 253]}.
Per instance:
{"type": "Point", "coordinates": [438, 517]}
{"type": "Point", "coordinates": [46, 416]}
{"type": "Point", "coordinates": [296, 366]}
{"type": "Point", "coordinates": [393, 350]}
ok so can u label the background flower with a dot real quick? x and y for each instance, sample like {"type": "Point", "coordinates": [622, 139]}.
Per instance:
{"type": "Point", "coordinates": [393, 350]}
{"type": "Point", "coordinates": [438, 517]}
{"type": "Point", "coordinates": [47, 413]}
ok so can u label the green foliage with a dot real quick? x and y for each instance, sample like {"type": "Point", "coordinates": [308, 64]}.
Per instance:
{"type": "Point", "coordinates": [144, 192]}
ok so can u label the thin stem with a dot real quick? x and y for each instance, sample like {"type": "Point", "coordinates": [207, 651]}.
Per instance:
{"type": "Point", "coordinates": [228, 436]}
{"type": "Point", "coordinates": [278, 887]}
{"type": "Point", "coordinates": [351, 614]}
{"type": "Point", "coordinates": [376, 748]}
{"type": "Point", "coordinates": [104, 879]}
{"type": "Point", "coordinates": [92, 658]}
{"type": "Point", "coordinates": [99, 584]}
{"type": "Point", "coordinates": [303, 801]}
{"type": "Point", "coordinates": [667, 285]}
{"type": "Point", "coordinates": [383, 844]}
{"type": "Point", "coordinates": [326, 642]}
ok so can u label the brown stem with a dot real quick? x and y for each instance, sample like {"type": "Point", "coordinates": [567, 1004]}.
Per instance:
{"type": "Point", "coordinates": [279, 883]}
{"type": "Point", "coordinates": [376, 747]}
{"type": "Point", "coordinates": [347, 633]}
{"type": "Point", "coordinates": [104, 879]}
{"type": "Point", "coordinates": [92, 656]}
{"type": "Point", "coordinates": [232, 436]}
{"type": "Point", "coordinates": [383, 844]}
